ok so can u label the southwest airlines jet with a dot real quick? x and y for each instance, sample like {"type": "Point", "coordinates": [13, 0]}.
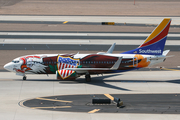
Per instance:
{"type": "Point", "coordinates": [71, 66]}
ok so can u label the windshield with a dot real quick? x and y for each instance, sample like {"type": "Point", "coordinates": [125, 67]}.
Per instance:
{"type": "Point", "coordinates": [15, 61]}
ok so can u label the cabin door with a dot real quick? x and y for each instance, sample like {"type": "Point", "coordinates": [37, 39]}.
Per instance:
{"type": "Point", "coordinates": [135, 62]}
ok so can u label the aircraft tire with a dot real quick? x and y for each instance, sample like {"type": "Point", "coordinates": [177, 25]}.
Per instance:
{"type": "Point", "coordinates": [88, 78]}
{"type": "Point", "coordinates": [24, 78]}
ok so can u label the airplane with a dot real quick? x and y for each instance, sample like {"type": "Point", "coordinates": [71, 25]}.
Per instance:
{"type": "Point", "coordinates": [72, 66]}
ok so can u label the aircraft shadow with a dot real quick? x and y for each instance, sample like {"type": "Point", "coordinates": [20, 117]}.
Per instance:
{"type": "Point", "coordinates": [99, 81]}
{"type": "Point", "coordinates": [38, 80]}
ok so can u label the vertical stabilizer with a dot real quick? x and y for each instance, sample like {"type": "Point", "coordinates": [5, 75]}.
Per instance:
{"type": "Point", "coordinates": [155, 42]}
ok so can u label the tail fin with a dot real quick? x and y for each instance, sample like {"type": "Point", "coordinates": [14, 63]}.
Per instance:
{"type": "Point", "coordinates": [154, 44]}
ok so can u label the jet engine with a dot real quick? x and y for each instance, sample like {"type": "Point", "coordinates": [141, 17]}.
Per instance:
{"type": "Point", "coordinates": [63, 77]}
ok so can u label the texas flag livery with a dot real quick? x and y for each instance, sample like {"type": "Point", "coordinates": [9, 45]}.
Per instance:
{"type": "Point", "coordinates": [66, 62]}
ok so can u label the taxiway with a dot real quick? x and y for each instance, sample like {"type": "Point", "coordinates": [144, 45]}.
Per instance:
{"type": "Point", "coordinates": [131, 87]}
{"type": "Point", "coordinates": [146, 94]}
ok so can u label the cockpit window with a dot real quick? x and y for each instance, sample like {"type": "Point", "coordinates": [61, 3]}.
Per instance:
{"type": "Point", "coordinates": [15, 61]}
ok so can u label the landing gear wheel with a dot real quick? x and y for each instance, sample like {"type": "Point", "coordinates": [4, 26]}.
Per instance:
{"type": "Point", "coordinates": [88, 78]}
{"type": "Point", "coordinates": [24, 78]}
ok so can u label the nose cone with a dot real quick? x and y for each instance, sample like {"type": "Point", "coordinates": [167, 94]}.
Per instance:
{"type": "Point", "coordinates": [8, 66]}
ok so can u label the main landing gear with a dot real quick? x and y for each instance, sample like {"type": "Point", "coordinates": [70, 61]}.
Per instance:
{"type": "Point", "coordinates": [24, 78]}
{"type": "Point", "coordinates": [88, 78]}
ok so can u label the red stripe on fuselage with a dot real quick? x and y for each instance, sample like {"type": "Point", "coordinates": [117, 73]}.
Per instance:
{"type": "Point", "coordinates": [61, 72]}
{"type": "Point", "coordinates": [64, 73]}
{"type": "Point", "coordinates": [59, 66]}
{"type": "Point", "coordinates": [37, 57]}
{"type": "Point", "coordinates": [66, 65]}
{"type": "Point", "coordinates": [24, 60]}
{"type": "Point", "coordinates": [62, 65]}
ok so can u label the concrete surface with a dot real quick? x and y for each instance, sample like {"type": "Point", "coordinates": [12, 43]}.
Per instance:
{"type": "Point", "coordinates": [116, 19]}
{"type": "Point", "coordinates": [13, 90]}
{"type": "Point", "coordinates": [91, 7]}
{"type": "Point", "coordinates": [133, 103]}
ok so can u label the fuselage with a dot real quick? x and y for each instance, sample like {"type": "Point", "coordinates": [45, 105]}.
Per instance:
{"type": "Point", "coordinates": [51, 63]}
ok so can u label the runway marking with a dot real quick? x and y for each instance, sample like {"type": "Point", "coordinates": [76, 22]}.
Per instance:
{"type": "Point", "coordinates": [170, 69]}
{"type": "Point", "coordinates": [54, 100]}
{"type": "Point", "coordinates": [93, 111]}
{"type": "Point", "coordinates": [81, 41]}
{"type": "Point", "coordinates": [109, 96]}
{"type": "Point", "coordinates": [77, 34]}
{"type": "Point", "coordinates": [51, 107]}
{"type": "Point", "coordinates": [65, 22]}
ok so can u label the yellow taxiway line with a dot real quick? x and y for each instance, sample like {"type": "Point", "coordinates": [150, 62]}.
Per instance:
{"type": "Point", "coordinates": [109, 96]}
{"type": "Point", "coordinates": [51, 107]}
{"type": "Point", "coordinates": [54, 100]}
{"type": "Point", "coordinates": [93, 111]}
{"type": "Point", "coordinates": [169, 69]}
{"type": "Point", "coordinates": [65, 22]}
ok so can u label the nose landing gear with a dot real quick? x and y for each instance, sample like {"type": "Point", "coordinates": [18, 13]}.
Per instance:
{"type": "Point", "coordinates": [24, 78]}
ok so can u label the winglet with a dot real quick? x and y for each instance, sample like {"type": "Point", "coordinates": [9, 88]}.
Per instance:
{"type": "Point", "coordinates": [111, 48]}
{"type": "Point", "coordinates": [116, 65]}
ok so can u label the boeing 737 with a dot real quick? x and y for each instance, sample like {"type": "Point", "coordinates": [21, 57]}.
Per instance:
{"type": "Point", "coordinates": [71, 66]}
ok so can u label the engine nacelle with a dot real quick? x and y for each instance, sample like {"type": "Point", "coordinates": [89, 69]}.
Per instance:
{"type": "Point", "coordinates": [71, 77]}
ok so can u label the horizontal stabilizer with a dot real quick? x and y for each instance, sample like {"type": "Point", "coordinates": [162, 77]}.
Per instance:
{"type": "Point", "coordinates": [165, 52]}
{"type": "Point", "coordinates": [157, 58]}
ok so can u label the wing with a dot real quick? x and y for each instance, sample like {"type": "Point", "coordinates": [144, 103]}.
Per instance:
{"type": "Point", "coordinates": [84, 70]}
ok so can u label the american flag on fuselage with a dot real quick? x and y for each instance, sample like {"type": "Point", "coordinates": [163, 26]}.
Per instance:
{"type": "Point", "coordinates": [66, 62]}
